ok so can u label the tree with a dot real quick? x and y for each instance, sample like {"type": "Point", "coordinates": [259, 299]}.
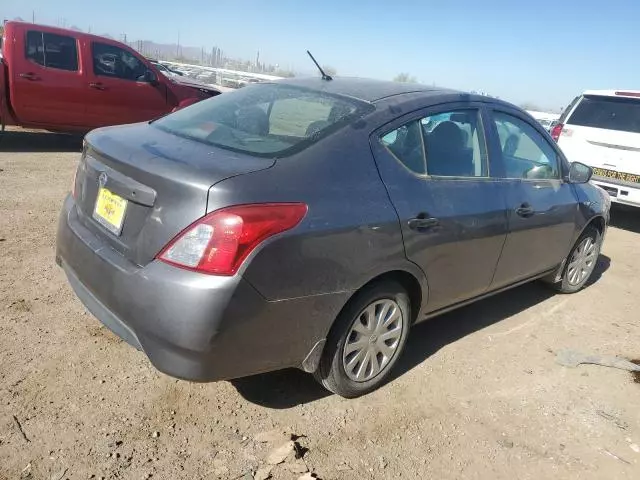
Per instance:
{"type": "Point", "coordinates": [404, 78]}
{"type": "Point", "coordinates": [329, 70]}
{"type": "Point", "coordinates": [530, 106]}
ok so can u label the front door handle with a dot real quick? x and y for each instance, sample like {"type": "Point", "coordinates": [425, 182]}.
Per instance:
{"type": "Point", "coordinates": [97, 86]}
{"type": "Point", "coordinates": [423, 222]}
{"type": "Point", "coordinates": [525, 210]}
{"type": "Point", "coordinates": [29, 76]}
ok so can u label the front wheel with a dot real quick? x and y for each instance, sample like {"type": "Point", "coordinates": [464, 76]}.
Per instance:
{"type": "Point", "coordinates": [581, 262]}
{"type": "Point", "coordinates": [366, 340]}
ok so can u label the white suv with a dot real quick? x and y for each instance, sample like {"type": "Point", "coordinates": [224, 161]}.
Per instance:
{"type": "Point", "coordinates": [601, 128]}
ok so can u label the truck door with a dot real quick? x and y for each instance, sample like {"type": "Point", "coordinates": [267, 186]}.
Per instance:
{"type": "Point", "coordinates": [46, 80]}
{"type": "Point", "coordinates": [124, 88]}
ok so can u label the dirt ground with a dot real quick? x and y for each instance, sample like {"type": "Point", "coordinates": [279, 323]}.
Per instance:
{"type": "Point", "coordinates": [478, 394]}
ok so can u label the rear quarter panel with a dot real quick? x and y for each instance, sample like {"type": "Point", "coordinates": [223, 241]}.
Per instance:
{"type": "Point", "coordinates": [350, 235]}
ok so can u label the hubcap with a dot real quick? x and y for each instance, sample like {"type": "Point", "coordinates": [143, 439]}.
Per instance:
{"type": "Point", "coordinates": [373, 340]}
{"type": "Point", "coordinates": [582, 261]}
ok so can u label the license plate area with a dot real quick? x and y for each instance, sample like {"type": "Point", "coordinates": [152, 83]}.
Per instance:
{"type": "Point", "coordinates": [613, 192]}
{"type": "Point", "coordinates": [110, 210]}
{"type": "Point", "coordinates": [626, 177]}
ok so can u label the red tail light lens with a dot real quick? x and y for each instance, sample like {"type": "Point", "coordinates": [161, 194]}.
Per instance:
{"type": "Point", "coordinates": [556, 131]}
{"type": "Point", "coordinates": [219, 242]}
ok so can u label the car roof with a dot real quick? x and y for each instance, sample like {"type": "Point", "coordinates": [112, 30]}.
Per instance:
{"type": "Point", "coordinates": [614, 93]}
{"type": "Point", "coordinates": [363, 88]}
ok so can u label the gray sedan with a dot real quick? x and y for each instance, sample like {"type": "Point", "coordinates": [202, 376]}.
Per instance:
{"type": "Point", "coordinates": [309, 223]}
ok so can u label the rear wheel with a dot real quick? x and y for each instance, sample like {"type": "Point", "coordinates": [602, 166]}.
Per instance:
{"type": "Point", "coordinates": [581, 262]}
{"type": "Point", "coordinates": [366, 340]}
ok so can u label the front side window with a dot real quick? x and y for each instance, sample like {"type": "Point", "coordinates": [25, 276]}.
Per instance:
{"type": "Point", "coordinates": [116, 62]}
{"type": "Point", "coordinates": [526, 153]}
{"type": "Point", "coordinates": [52, 51]}
{"type": "Point", "coordinates": [267, 120]}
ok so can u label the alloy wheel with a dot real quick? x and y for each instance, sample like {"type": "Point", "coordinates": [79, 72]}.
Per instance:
{"type": "Point", "coordinates": [582, 261]}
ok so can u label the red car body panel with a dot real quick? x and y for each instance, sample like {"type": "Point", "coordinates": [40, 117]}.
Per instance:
{"type": "Point", "coordinates": [78, 100]}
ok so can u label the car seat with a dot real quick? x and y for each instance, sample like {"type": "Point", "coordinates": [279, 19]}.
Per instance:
{"type": "Point", "coordinates": [316, 127]}
{"type": "Point", "coordinates": [253, 120]}
{"type": "Point", "coordinates": [446, 152]}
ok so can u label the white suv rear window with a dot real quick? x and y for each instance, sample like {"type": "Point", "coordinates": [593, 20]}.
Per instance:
{"type": "Point", "coordinates": [609, 113]}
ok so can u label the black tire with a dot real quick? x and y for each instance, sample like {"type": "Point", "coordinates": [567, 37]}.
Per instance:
{"type": "Point", "coordinates": [331, 371]}
{"type": "Point", "coordinates": [565, 285]}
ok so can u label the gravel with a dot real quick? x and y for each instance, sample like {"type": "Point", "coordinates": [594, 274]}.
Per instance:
{"type": "Point", "coordinates": [477, 394]}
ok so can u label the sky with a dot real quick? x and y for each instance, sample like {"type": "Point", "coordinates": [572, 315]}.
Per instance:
{"type": "Point", "coordinates": [543, 52]}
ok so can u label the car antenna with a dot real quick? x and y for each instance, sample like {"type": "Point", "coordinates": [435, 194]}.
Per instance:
{"type": "Point", "coordinates": [324, 75]}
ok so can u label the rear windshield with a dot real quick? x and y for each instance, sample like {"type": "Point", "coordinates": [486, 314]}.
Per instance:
{"type": "Point", "coordinates": [610, 113]}
{"type": "Point", "coordinates": [268, 120]}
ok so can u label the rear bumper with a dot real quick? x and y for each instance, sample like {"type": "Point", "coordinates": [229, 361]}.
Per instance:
{"type": "Point", "coordinates": [619, 193]}
{"type": "Point", "coordinates": [191, 326]}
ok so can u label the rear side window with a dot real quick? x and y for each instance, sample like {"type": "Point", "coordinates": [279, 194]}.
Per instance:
{"type": "Point", "coordinates": [52, 51]}
{"type": "Point", "coordinates": [268, 120]}
{"type": "Point", "coordinates": [453, 142]}
{"type": "Point", "coordinates": [405, 143]}
{"type": "Point", "coordinates": [566, 111]}
{"type": "Point", "coordinates": [610, 113]}
{"type": "Point", "coordinates": [112, 61]}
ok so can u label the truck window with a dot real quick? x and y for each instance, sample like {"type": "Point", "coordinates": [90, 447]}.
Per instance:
{"type": "Point", "coordinates": [116, 62]}
{"type": "Point", "coordinates": [52, 51]}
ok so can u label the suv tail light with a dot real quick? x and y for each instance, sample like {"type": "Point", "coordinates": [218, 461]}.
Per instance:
{"type": "Point", "coordinates": [557, 131]}
{"type": "Point", "coordinates": [219, 242]}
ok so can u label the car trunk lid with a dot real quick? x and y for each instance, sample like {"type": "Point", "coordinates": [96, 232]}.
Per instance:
{"type": "Point", "coordinates": [163, 181]}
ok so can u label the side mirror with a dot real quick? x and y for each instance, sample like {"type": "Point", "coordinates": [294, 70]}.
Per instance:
{"type": "Point", "coordinates": [149, 77]}
{"type": "Point", "coordinates": [579, 173]}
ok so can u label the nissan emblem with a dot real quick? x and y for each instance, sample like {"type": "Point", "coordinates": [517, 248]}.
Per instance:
{"type": "Point", "coordinates": [102, 179]}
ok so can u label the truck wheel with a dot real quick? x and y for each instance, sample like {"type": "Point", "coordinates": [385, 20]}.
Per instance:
{"type": "Point", "coordinates": [366, 340]}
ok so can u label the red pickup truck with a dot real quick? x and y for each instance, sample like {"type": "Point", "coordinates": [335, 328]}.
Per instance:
{"type": "Point", "coordinates": [68, 81]}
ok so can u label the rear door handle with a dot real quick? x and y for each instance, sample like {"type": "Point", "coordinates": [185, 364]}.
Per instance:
{"type": "Point", "coordinates": [29, 76]}
{"type": "Point", "coordinates": [525, 210]}
{"type": "Point", "coordinates": [423, 222]}
{"type": "Point", "coordinates": [97, 86]}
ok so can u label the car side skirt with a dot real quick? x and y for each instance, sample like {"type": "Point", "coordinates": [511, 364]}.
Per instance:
{"type": "Point", "coordinates": [487, 295]}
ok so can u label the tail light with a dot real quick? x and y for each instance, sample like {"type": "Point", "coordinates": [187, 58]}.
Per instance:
{"type": "Point", "coordinates": [557, 131]}
{"type": "Point", "coordinates": [218, 243]}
